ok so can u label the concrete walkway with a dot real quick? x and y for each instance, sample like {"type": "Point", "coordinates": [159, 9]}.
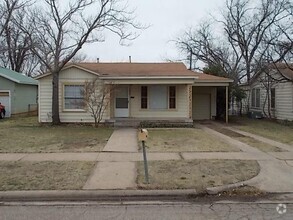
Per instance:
{"type": "Point", "coordinates": [276, 171]}
{"type": "Point", "coordinates": [116, 175]}
{"type": "Point", "coordinates": [112, 175]}
{"type": "Point", "coordinates": [122, 140]}
{"type": "Point", "coordinates": [135, 157]}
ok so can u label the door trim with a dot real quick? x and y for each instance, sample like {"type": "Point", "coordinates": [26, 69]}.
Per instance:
{"type": "Point", "coordinates": [126, 111]}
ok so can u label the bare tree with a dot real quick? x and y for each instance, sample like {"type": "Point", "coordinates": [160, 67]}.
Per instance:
{"type": "Point", "coordinates": [7, 8]}
{"type": "Point", "coordinates": [248, 29]}
{"type": "Point", "coordinates": [97, 98]}
{"type": "Point", "coordinates": [15, 48]}
{"type": "Point", "coordinates": [205, 47]}
{"type": "Point", "coordinates": [61, 31]}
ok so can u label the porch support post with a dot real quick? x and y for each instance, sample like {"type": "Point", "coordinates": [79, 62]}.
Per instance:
{"type": "Point", "coordinates": [227, 107]}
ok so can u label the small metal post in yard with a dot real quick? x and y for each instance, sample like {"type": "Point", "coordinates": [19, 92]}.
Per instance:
{"type": "Point", "coordinates": [146, 171]}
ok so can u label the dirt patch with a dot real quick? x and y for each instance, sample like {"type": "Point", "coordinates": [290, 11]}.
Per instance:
{"type": "Point", "coordinates": [196, 174]}
{"type": "Point", "coordinates": [70, 175]}
{"type": "Point", "coordinates": [185, 139]}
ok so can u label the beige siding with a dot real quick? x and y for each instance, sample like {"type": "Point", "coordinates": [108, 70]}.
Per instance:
{"type": "Point", "coordinates": [284, 100]}
{"type": "Point", "coordinates": [197, 94]}
{"type": "Point", "coordinates": [182, 104]}
{"type": "Point", "coordinates": [68, 76]}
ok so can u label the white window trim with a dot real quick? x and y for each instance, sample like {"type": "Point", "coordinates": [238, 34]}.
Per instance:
{"type": "Point", "coordinates": [63, 97]}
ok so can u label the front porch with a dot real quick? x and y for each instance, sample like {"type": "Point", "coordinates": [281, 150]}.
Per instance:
{"type": "Point", "coordinates": [150, 122]}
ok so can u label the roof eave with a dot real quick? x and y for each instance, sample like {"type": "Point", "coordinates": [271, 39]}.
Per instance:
{"type": "Point", "coordinates": [214, 81]}
{"type": "Point", "coordinates": [147, 77]}
{"type": "Point", "coordinates": [68, 67]}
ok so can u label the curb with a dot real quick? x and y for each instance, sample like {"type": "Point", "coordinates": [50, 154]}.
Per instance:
{"type": "Point", "coordinates": [96, 195]}
{"type": "Point", "coordinates": [219, 189]}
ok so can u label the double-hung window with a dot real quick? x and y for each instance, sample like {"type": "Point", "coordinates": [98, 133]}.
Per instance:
{"type": "Point", "coordinates": [255, 98]}
{"type": "Point", "coordinates": [158, 97]}
{"type": "Point", "coordinates": [73, 97]}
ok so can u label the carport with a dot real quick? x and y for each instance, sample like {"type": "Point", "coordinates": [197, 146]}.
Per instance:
{"type": "Point", "coordinates": [204, 96]}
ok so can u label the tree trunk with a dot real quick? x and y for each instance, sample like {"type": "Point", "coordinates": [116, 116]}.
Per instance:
{"type": "Point", "coordinates": [55, 99]}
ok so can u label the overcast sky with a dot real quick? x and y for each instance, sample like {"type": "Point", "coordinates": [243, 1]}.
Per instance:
{"type": "Point", "coordinates": [167, 19]}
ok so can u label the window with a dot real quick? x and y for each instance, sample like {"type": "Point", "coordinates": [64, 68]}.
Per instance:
{"type": "Point", "coordinates": [73, 97]}
{"type": "Point", "coordinates": [158, 97]}
{"type": "Point", "coordinates": [172, 97]}
{"type": "Point", "coordinates": [144, 97]}
{"type": "Point", "coordinates": [255, 98]}
{"type": "Point", "coordinates": [273, 98]}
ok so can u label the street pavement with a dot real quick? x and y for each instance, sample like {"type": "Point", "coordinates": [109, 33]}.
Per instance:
{"type": "Point", "coordinates": [148, 210]}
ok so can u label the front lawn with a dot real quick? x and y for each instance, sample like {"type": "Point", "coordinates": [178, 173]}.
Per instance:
{"type": "Point", "coordinates": [27, 136]}
{"type": "Point", "coordinates": [245, 139]}
{"type": "Point", "coordinates": [70, 175]}
{"type": "Point", "coordinates": [270, 129]}
{"type": "Point", "coordinates": [196, 174]}
{"type": "Point", "coordinates": [185, 139]}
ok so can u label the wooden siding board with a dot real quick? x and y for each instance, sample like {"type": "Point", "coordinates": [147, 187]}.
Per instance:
{"type": "Point", "coordinates": [71, 75]}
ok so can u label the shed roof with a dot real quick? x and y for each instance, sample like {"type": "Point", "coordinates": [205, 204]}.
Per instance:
{"type": "Point", "coordinates": [17, 77]}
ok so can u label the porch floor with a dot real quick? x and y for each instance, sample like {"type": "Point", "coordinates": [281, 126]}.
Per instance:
{"type": "Point", "coordinates": [151, 122]}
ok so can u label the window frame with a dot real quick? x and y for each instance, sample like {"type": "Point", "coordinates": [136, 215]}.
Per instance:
{"type": "Point", "coordinates": [64, 98]}
{"type": "Point", "coordinates": [167, 97]}
{"type": "Point", "coordinates": [144, 97]}
{"type": "Point", "coordinates": [170, 97]}
{"type": "Point", "coordinates": [255, 98]}
{"type": "Point", "coordinates": [273, 98]}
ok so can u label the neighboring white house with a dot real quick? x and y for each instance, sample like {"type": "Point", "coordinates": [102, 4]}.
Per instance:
{"type": "Point", "coordinates": [144, 91]}
{"type": "Point", "coordinates": [270, 94]}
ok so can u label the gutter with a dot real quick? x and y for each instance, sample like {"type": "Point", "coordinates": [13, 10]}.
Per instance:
{"type": "Point", "coordinates": [148, 77]}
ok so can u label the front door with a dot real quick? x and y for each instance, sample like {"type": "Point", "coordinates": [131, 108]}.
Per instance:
{"type": "Point", "coordinates": [121, 102]}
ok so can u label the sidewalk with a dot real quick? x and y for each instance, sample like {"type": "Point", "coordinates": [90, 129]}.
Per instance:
{"type": "Point", "coordinates": [276, 171]}
{"type": "Point", "coordinates": [113, 174]}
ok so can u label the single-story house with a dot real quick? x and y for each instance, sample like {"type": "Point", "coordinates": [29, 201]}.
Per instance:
{"type": "Point", "coordinates": [270, 94]}
{"type": "Point", "coordinates": [143, 91]}
{"type": "Point", "coordinates": [18, 93]}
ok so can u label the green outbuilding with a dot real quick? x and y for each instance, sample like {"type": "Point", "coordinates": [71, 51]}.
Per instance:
{"type": "Point", "coordinates": [18, 92]}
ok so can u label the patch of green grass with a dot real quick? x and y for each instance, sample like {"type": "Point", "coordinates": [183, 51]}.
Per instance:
{"type": "Point", "coordinates": [185, 139]}
{"type": "Point", "coordinates": [274, 130]}
{"type": "Point", "coordinates": [26, 135]}
{"type": "Point", "coordinates": [196, 174]}
{"type": "Point", "coordinates": [70, 175]}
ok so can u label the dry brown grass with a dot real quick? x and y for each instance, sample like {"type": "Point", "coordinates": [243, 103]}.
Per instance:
{"type": "Point", "coordinates": [185, 139]}
{"type": "Point", "coordinates": [70, 175]}
{"type": "Point", "coordinates": [267, 128]}
{"type": "Point", "coordinates": [247, 140]}
{"type": "Point", "coordinates": [26, 135]}
{"type": "Point", "coordinates": [196, 174]}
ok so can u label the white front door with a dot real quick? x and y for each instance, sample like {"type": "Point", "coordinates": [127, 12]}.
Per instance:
{"type": "Point", "coordinates": [121, 102]}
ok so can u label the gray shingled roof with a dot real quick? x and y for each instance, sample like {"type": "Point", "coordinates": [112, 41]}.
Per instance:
{"type": "Point", "coordinates": [17, 77]}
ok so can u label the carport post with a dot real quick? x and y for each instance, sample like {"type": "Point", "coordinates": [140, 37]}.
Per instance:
{"type": "Point", "coordinates": [227, 110]}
